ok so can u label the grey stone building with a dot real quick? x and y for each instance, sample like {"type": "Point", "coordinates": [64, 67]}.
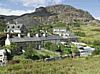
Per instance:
{"type": "Point", "coordinates": [37, 41]}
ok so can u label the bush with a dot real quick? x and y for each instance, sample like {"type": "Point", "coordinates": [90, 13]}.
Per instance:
{"type": "Point", "coordinates": [31, 53]}
{"type": "Point", "coordinates": [98, 30]}
{"type": "Point", "coordinates": [96, 52]}
{"type": "Point", "coordinates": [79, 33]}
{"type": "Point", "coordinates": [76, 25]}
{"type": "Point", "coordinates": [64, 49]}
{"type": "Point", "coordinates": [50, 46]}
{"type": "Point", "coordinates": [74, 49]}
{"type": "Point", "coordinates": [96, 42]}
{"type": "Point", "coordinates": [14, 62]}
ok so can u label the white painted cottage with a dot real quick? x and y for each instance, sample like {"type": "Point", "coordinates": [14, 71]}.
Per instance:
{"type": "Point", "coordinates": [84, 49]}
{"type": "Point", "coordinates": [63, 32]}
{"type": "Point", "coordinates": [15, 27]}
{"type": "Point", "coordinates": [3, 57]}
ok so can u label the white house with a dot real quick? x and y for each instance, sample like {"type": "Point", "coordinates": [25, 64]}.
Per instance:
{"type": "Point", "coordinates": [63, 32]}
{"type": "Point", "coordinates": [84, 49]}
{"type": "Point", "coordinates": [15, 27]}
{"type": "Point", "coordinates": [3, 57]}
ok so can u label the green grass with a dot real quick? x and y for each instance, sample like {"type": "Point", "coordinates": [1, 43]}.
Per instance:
{"type": "Point", "coordinates": [92, 33]}
{"type": "Point", "coordinates": [88, 65]}
{"type": "Point", "coordinates": [49, 53]}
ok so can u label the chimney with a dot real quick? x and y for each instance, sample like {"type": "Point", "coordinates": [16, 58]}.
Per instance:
{"type": "Point", "coordinates": [28, 34]}
{"type": "Point", "coordinates": [37, 35]}
{"type": "Point", "coordinates": [60, 34]}
{"type": "Point", "coordinates": [7, 35]}
{"type": "Point", "coordinates": [44, 35]}
{"type": "Point", "coordinates": [46, 32]}
{"type": "Point", "coordinates": [19, 35]}
{"type": "Point", "coordinates": [16, 22]}
{"type": "Point", "coordinates": [8, 23]}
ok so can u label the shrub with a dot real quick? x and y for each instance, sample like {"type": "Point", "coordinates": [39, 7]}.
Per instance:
{"type": "Point", "coordinates": [76, 25]}
{"type": "Point", "coordinates": [64, 49]}
{"type": "Point", "coordinates": [50, 46]}
{"type": "Point", "coordinates": [79, 33]}
{"type": "Point", "coordinates": [98, 30]}
{"type": "Point", "coordinates": [14, 62]}
{"type": "Point", "coordinates": [96, 42]}
{"type": "Point", "coordinates": [31, 53]}
{"type": "Point", "coordinates": [74, 49]}
{"type": "Point", "coordinates": [96, 52]}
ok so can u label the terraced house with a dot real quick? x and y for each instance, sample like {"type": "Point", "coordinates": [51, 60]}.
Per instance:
{"type": "Point", "coordinates": [24, 38]}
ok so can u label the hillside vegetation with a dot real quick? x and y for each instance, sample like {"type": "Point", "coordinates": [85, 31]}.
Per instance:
{"type": "Point", "coordinates": [88, 65]}
{"type": "Point", "coordinates": [89, 34]}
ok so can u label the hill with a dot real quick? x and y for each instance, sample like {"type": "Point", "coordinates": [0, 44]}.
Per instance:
{"type": "Point", "coordinates": [52, 14]}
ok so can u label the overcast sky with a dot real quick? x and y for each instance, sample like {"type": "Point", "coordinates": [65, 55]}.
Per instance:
{"type": "Point", "coordinates": [18, 7]}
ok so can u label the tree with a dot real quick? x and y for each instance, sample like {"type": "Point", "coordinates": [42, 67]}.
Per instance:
{"type": "Point", "coordinates": [12, 48]}
{"type": "Point", "coordinates": [74, 50]}
{"type": "Point", "coordinates": [65, 49]}
{"type": "Point", "coordinates": [51, 46]}
{"type": "Point", "coordinates": [31, 53]}
{"type": "Point", "coordinates": [96, 52]}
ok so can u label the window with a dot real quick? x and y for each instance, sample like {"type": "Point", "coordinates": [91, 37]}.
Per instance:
{"type": "Point", "coordinates": [5, 30]}
{"type": "Point", "coordinates": [0, 61]}
{"type": "Point", "coordinates": [18, 26]}
{"type": "Point", "coordinates": [8, 27]}
{"type": "Point", "coordinates": [12, 26]}
{"type": "Point", "coordinates": [0, 55]}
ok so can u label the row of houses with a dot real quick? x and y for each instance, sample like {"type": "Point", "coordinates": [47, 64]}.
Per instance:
{"type": "Point", "coordinates": [38, 39]}
{"type": "Point", "coordinates": [15, 32]}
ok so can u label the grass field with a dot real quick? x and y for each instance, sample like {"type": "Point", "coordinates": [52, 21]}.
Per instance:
{"type": "Point", "coordinates": [88, 65]}
{"type": "Point", "coordinates": [92, 33]}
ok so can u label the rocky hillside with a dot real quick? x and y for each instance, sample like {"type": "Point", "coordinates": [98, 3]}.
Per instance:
{"type": "Point", "coordinates": [51, 14]}
{"type": "Point", "coordinates": [67, 13]}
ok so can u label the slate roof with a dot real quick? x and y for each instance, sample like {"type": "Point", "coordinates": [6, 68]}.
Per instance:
{"type": "Point", "coordinates": [30, 39]}
{"type": "Point", "coordinates": [14, 26]}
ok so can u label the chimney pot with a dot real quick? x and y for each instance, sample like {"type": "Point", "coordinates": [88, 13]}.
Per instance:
{"type": "Point", "coordinates": [19, 35]}
{"type": "Point", "coordinates": [28, 34]}
{"type": "Point", "coordinates": [37, 35]}
{"type": "Point", "coordinates": [44, 35]}
{"type": "Point", "coordinates": [7, 35]}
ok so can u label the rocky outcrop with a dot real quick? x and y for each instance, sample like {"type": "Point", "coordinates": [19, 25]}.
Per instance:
{"type": "Point", "coordinates": [51, 14]}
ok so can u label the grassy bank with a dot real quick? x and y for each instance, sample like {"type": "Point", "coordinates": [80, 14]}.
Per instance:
{"type": "Point", "coordinates": [90, 65]}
